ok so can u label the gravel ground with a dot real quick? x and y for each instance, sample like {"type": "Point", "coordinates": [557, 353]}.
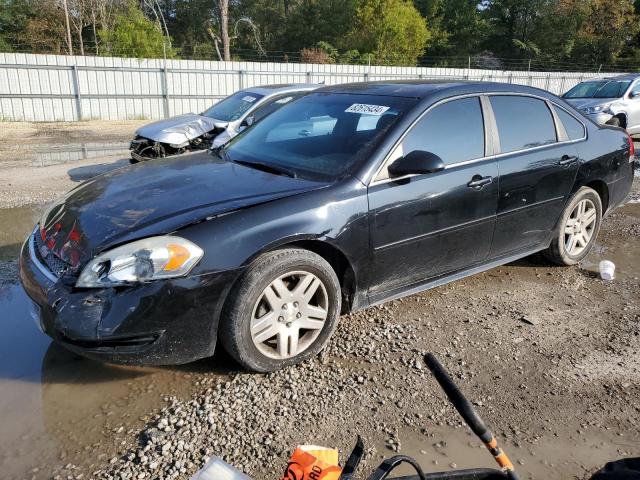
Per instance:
{"type": "Point", "coordinates": [547, 354]}
{"type": "Point", "coordinates": [550, 356]}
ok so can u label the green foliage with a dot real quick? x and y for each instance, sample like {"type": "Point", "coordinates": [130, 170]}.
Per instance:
{"type": "Point", "coordinates": [134, 35]}
{"type": "Point", "coordinates": [493, 33]}
{"type": "Point", "coordinates": [392, 31]}
{"type": "Point", "coordinates": [14, 17]}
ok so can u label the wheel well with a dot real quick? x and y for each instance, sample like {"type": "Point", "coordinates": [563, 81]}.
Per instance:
{"type": "Point", "coordinates": [339, 263]}
{"type": "Point", "coordinates": [603, 191]}
{"type": "Point", "coordinates": [623, 119]}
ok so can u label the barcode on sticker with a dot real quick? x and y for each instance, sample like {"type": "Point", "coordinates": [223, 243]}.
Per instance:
{"type": "Point", "coordinates": [249, 99]}
{"type": "Point", "coordinates": [365, 109]}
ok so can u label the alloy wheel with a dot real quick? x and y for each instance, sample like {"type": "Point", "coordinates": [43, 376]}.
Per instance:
{"type": "Point", "coordinates": [289, 315]}
{"type": "Point", "coordinates": [579, 227]}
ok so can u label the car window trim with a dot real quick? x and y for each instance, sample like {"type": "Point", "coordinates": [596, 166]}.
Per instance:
{"type": "Point", "coordinates": [495, 154]}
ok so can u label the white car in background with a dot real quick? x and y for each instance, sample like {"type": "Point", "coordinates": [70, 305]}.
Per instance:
{"type": "Point", "coordinates": [215, 126]}
{"type": "Point", "coordinates": [609, 101]}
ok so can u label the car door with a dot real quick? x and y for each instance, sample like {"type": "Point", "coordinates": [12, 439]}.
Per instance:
{"type": "Point", "coordinates": [424, 226]}
{"type": "Point", "coordinates": [537, 164]}
{"type": "Point", "coordinates": [632, 102]}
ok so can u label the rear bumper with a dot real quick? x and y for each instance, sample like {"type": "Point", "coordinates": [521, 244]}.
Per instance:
{"type": "Point", "coordinates": [159, 323]}
{"type": "Point", "coordinates": [620, 188]}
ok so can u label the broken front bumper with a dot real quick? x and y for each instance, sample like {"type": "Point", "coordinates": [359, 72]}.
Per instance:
{"type": "Point", "coordinates": [158, 323]}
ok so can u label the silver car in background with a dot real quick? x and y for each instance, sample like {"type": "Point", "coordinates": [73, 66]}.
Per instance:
{"type": "Point", "coordinates": [609, 101]}
{"type": "Point", "coordinates": [216, 125]}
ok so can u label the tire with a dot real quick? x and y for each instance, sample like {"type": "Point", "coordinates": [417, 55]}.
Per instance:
{"type": "Point", "coordinates": [263, 348]}
{"type": "Point", "coordinates": [562, 250]}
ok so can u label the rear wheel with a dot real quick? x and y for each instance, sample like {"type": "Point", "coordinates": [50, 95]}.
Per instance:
{"type": "Point", "coordinates": [282, 311]}
{"type": "Point", "coordinates": [577, 229]}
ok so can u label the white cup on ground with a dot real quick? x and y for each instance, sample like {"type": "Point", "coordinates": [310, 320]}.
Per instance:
{"type": "Point", "coordinates": [607, 270]}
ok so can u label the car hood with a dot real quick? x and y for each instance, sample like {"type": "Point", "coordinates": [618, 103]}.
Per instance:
{"type": "Point", "coordinates": [177, 130]}
{"type": "Point", "coordinates": [588, 102]}
{"type": "Point", "coordinates": [155, 198]}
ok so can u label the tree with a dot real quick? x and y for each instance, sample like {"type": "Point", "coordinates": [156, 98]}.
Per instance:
{"type": "Point", "coordinates": [133, 35]}
{"type": "Point", "coordinates": [14, 16]}
{"type": "Point", "coordinates": [514, 25]}
{"type": "Point", "coordinates": [457, 27]}
{"type": "Point", "coordinates": [313, 21]}
{"type": "Point", "coordinates": [224, 29]}
{"type": "Point", "coordinates": [392, 31]}
{"type": "Point", "coordinates": [608, 27]}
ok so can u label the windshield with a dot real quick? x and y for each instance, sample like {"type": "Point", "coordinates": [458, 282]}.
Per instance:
{"type": "Point", "coordinates": [599, 89]}
{"type": "Point", "coordinates": [232, 107]}
{"type": "Point", "coordinates": [320, 135]}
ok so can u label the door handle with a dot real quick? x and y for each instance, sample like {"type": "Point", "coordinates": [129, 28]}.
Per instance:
{"type": "Point", "coordinates": [478, 182]}
{"type": "Point", "coordinates": [567, 160]}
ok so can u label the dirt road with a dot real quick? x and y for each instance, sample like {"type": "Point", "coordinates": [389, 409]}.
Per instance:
{"type": "Point", "coordinates": [550, 356]}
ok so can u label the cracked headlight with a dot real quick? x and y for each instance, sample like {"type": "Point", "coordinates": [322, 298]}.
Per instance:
{"type": "Point", "coordinates": [141, 261]}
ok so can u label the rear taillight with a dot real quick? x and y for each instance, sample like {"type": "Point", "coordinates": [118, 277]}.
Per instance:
{"type": "Point", "coordinates": [632, 149]}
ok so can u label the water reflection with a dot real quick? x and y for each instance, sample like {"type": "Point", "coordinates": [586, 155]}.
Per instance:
{"type": "Point", "coordinates": [55, 405]}
{"type": "Point", "coordinates": [50, 154]}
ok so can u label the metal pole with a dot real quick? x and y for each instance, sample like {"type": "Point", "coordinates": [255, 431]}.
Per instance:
{"type": "Point", "coordinates": [241, 79]}
{"type": "Point", "coordinates": [469, 68]}
{"type": "Point", "coordinates": [76, 91]}
{"type": "Point", "coordinates": [165, 92]}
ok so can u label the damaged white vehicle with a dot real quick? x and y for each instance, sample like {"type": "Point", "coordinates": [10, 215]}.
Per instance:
{"type": "Point", "coordinates": [609, 101]}
{"type": "Point", "coordinates": [215, 126]}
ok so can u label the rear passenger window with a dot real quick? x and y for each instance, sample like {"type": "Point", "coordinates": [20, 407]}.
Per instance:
{"type": "Point", "coordinates": [454, 131]}
{"type": "Point", "coordinates": [574, 129]}
{"type": "Point", "coordinates": [523, 122]}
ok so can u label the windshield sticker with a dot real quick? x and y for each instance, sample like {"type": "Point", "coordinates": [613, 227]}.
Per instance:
{"type": "Point", "coordinates": [365, 109]}
{"type": "Point", "coordinates": [249, 99]}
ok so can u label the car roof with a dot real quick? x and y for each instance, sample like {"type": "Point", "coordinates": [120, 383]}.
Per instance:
{"type": "Point", "coordinates": [425, 88]}
{"type": "Point", "coordinates": [275, 89]}
{"type": "Point", "coordinates": [626, 76]}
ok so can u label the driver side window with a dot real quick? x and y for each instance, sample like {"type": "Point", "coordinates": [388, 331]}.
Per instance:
{"type": "Point", "coordinates": [453, 130]}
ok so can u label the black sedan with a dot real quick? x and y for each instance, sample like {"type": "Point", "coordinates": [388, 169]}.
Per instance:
{"type": "Point", "coordinates": [346, 198]}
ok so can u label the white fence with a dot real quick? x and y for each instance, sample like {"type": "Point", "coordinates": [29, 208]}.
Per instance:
{"type": "Point", "coordinates": [68, 88]}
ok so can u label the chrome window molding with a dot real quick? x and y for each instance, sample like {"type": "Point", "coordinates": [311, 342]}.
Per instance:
{"type": "Point", "coordinates": [385, 163]}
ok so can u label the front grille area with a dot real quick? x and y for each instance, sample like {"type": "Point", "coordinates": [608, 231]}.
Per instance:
{"type": "Point", "coordinates": [57, 266]}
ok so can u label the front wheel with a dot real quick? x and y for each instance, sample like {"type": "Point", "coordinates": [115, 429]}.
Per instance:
{"type": "Point", "coordinates": [577, 229]}
{"type": "Point", "coordinates": [282, 311]}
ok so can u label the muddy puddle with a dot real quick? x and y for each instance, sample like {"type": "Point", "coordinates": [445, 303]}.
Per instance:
{"type": "Point", "coordinates": [48, 154]}
{"type": "Point", "coordinates": [58, 408]}
{"type": "Point", "coordinates": [623, 252]}
{"type": "Point", "coordinates": [16, 223]}
{"type": "Point", "coordinates": [441, 449]}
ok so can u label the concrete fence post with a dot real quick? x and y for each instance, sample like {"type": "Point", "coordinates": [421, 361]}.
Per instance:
{"type": "Point", "coordinates": [76, 90]}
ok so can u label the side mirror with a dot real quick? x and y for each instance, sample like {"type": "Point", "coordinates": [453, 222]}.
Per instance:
{"type": "Point", "coordinates": [633, 94]}
{"type": "Point", "coordinates": [247, 122]}
{"type": "Point", "coordinates": [416, 162]}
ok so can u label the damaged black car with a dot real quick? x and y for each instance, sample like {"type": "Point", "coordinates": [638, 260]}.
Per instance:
{"type": "Point", "coordinates": [348, 197]}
